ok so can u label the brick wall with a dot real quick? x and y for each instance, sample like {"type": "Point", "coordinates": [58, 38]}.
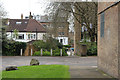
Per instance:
{"type": "Point", "coordinates": [108, 45]}
{"type": "Point", "coordinates": [119, 40]}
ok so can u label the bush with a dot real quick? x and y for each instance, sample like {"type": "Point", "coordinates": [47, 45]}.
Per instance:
{"type": "Point", "coordinates": [64, 52]}
{"type": "Point", "coordinates": [12, 48]}
{"type": "Point", "coordinates": [46, 53]}
{"type": "Point", "coordinates": [67, 46]}
{"type": "Point", "coordinates": [56, 52]}
{"type": "Point", "coordinates": [37, 53]}
{"type": "Point", "coordinates": [39, 44]}
{"type": "Point", "coordinates": [49, 44]}
{"type": "Point", "coordinates": [92, 51]}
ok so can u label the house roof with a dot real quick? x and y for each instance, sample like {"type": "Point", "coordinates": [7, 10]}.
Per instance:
{"type": "Point", "coordinates": [25, 25]}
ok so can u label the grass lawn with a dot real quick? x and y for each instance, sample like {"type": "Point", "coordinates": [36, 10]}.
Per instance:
{"type": "Point", "coordinates": [41, 71]}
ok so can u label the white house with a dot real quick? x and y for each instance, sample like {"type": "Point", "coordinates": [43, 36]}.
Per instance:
{"type": "Point", "coordinates": [25, 30]}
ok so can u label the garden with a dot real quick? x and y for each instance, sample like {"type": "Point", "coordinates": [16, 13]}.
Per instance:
{"type": "Point", "coordinates": [47, 45]}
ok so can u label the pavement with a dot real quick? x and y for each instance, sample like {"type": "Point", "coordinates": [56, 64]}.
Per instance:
{"type": "Point", "coordinates": [80, 67]}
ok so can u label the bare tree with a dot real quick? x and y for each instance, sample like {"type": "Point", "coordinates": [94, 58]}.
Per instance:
{"type": "Point", "coordinates": [84, 14]}
{"type": "Point", "coordinates": [3, 13]}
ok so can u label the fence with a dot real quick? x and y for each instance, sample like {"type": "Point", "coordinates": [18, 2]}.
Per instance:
{"type": "Point", "coordinates": [31, 52]}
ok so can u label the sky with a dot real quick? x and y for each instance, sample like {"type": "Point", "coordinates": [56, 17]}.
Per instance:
{"type": "Point", "coordinates": [15, 8]}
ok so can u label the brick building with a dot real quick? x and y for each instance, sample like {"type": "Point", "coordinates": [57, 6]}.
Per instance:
{"type": "Point", "coordinates": [108, 37]}
{"type": "Point", "coordinates": [59, 29]}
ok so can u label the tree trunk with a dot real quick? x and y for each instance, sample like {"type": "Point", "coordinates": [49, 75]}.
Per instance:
{"type": "Point", "coordinates": [77, 35]}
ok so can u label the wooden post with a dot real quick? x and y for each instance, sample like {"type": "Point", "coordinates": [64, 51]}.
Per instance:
{"type": "Point", "coordinates": [31, 52]}
{"type": "Point", "coordinates": [51, 52]}
{"type": "Point", "coordinates": [60, 52]}
{"type": "Point", "coordinates": [21, 52]}
{"type": "Point", "coordinates": [41, 52]}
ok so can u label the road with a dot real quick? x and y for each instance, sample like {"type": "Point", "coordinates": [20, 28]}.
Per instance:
{"type": "Point", "coordinates": [25, 60]}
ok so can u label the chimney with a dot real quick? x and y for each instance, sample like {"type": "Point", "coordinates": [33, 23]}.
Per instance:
{"type": "Point", "coordinates": [30, 16]}
{"type": "Point", "coordinates": [21, 16]}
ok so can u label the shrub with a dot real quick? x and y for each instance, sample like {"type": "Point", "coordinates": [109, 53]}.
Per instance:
{"type": "Point", "coordinates": [49, 44]}
{"type": "Point", "coordinates": [12, 48]}
{"type": "Point", "coordinates": [46, 53]}
{"type": "Point", "coordinates": [92, 51]}
{"type": "Point", "coordinates": [39, 44]}
{"type": "Point", "coordinates": [37, 53]}
{"type": "Point", "coordinates": [64, 52]}
{"type": "Point", "coordinates": [56, 52]}
{"type": "Point", "coordinates": [67, 46]}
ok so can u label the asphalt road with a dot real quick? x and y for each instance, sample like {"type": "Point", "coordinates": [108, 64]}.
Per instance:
{"type": "Point", "coordinates": [25, 60]}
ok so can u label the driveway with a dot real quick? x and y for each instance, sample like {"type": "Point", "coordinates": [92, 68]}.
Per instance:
{"type": "Point", "coordinates": [25, 60]}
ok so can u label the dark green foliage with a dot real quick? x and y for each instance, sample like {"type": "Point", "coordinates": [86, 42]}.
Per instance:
{"type": "Point", "coordinates": [48, 44]}
{"type": "Point", "coordinates": [12, 48]}
{"type": "Point", "coordinates": [37, 53]}
{"type": "Point", "coordinates": [67, 46]}
{"type": "Point", "coordinates": [64, 52]}
{"type": "Point", "coordinates": [92, 51]}
{"type": "Point", "coordinates": [39, 44]}
{"type": "Point", "coordinates": [46, 53]}
{"type": "Point", "coordinates": [56, 52]}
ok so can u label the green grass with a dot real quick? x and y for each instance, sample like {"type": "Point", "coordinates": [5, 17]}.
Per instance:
{"type": "Point", "coordinates": [41, 71]}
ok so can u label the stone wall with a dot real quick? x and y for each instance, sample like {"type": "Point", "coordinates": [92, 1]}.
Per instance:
{"type": "Point", "coordinates": [108, 45]}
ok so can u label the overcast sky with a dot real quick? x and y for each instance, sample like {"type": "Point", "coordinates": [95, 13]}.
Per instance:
{"type": "Point", "coordinates": [17, 7]}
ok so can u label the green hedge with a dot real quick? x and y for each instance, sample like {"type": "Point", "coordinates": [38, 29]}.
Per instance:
{"type": "Point", "coordinates": [67, 46]}
{"type": "Point", "coordinates": [48, 53]}
{"type": "Point", "coordinates": [12, 48]}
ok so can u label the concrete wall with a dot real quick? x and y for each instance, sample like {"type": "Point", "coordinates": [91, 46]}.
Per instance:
{"type": "Point", "coordinates": [108, 45]}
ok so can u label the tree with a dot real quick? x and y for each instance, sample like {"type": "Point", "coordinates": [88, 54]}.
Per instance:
{"type": "Point", "coordinates": [15, 35]}
{"type": "Point", "coordinates": [84, 14]}
{"type": "Point", "coordinates": [3, 13]}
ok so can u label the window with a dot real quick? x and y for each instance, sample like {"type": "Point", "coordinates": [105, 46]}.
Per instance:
{"type": "Point", "coordinates": [102, 24]}
{"type": "Point", "coordinates": [61, 33]}
{"type": "Point", "coordinates": [21, 36]}
{"type": "Point", "coordinates": [31, 36]}
{"type": "Point", "coordinates": [28, 36]}
{"type": "Point", "coordinates": [34, 36]}
{"type": "Point", "coordinates": [18, 22]}
{"type": "Point", "coordinates": [61, 40]}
